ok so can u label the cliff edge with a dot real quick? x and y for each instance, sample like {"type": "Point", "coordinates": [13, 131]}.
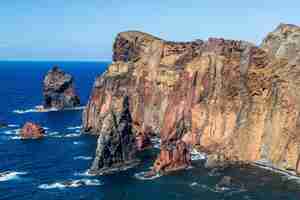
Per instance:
{"type": "Point", "coordinates": [228, 98]}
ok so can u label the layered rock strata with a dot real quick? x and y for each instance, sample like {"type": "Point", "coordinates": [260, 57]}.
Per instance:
{"type": "Point", "coordinates": [116, 148]}
{"type": "Point", "coordinates": [229, 98]}
{"type": "Point", "coordinates": [58, 90]}
{"type": "Point", "coordinates": [32, 131]}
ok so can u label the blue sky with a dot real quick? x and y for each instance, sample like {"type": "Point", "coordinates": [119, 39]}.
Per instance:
{"type": "Point", "coordinates": [85, 29]}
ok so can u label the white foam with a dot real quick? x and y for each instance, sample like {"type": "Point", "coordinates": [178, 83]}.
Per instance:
{"type": "Point", "coordinates": [70, 135]}
{"type": "Point", "coordinates": [141, 176]}
{"type": "Point", "coordinates": [55, 133]}
{"type": "Point", "coordinates": [7, 176]}
{"type": "Point", "coordinates": [74, 127]}
{"type": "Point", "coordinates": [15, 137]}
{"type": "Point", "coordinates": [156, 141]}
{"type": "Point", "coordinates": [77, 143]}
{"type": "Point", "coordinates": [71, 184]}
{"type": "Point", "coordinates": [268, 166]}
{"type": "Point", "coordinates": [13, 125]}
{"type": "Point", "coordinates": [86, 173]}
{"type": "Point", "coordinates": [12, 132]}
{"type": "Point", "coordinates": [40, 109]}
{"type": "Point", "coordinates": [83, 158]}
{"type": "Point", "coordinates": [197, 155]}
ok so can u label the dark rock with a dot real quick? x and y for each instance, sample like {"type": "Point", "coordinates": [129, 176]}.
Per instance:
{"type": "Point", "coordinates": [32, 131]}
{"type": "Point", "coordinates": [59, 91]}
{"type": "Point", "coordinates": [3, 125]}
{"type": "Point", "coordinates": [116, 147]}
{"type": "Point", "coordinates": [226, 181]}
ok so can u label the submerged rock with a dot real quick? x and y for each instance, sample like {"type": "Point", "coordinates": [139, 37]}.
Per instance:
{"type": "Point", "coordinates": [116, 147]}
{"type": "Point", "coordinates": [32, 131]}
{"type": "Point", "coordinates": [59, 91]}
{"type": "Point", "coordinates": [228, 97]}
{"type": "Point", "coordinates": [3, 124]}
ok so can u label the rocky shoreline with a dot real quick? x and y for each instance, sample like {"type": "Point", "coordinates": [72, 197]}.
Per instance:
{"type": "Point", "coordinates": [230, 98]}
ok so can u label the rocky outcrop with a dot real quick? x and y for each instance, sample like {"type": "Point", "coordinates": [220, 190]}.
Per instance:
{"type": "Point", "coordinates": [3, 125]}
{"type": "Point", "coordinates": [229, 98]}
{"type": "Point", "coordinates": [32, 131]}
{"type": "Point", "coordinates": [59, 91]}
{"type": "Point", "coordinates": [116, 147]}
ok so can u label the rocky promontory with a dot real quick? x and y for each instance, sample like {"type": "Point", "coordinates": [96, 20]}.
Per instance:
{"type": "Point", "coordinates": [59, 91]}
{"type": "Point", "coordinates": [32, 131]}
{"type": "Point", "coordinates": [231, 99]}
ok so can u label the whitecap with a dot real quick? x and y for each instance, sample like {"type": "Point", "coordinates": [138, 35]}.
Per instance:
{"type": "Point", "coordinates": [6, 176]}
{"type": "Point", "coordinates": [74, 127]}
{"type": "Point", "coordinates": [71, 184]}
{"type": "Point", "coordinates": [77, 143]}
{"type": "Point", "coordinates": [40, 109]}
{"type": "Point", "coordinates": [13, 125]}
{"type": "Point", "coordinates": [142, 176]}
{"type": "Point", "coordinates": [86, 173]}
{"type": "Point", "coordinates": [83, 158]}
{"type": "Point", "coordinates": [54, 133]}
{"type": "Point", "coordinates": [15, 137]}
{"type": "Point", "coordinates": [70, 135]}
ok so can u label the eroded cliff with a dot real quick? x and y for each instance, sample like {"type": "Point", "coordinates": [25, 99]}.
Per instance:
{"type": "Point", "coordinates": [228, 98]}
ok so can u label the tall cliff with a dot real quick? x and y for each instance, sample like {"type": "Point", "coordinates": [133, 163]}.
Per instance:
{"type": "Point", "coordinates": [228, 98]}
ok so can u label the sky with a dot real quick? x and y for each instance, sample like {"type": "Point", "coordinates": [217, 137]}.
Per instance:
{"type": "Point", "coordinates": [85, 29]}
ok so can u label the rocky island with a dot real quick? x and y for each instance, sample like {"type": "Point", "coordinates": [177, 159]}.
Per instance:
{"type": "Point", "coordinates": [32, 131]}
{"type": "Point", "coordinates": [231, 99]}
{"type": "Point", "coordinates": [59, 91]}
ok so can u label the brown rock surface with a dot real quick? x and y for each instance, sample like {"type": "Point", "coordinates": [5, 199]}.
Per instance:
{"type": "Point", "coordinates": [59, 91]}
{"type": "Point", "coordinates": [228, 97]}
{"type": "Point", "coordinates": [32, 131]}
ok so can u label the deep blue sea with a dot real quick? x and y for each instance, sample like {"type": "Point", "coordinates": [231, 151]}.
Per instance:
{"type": "Point", "coordinates": [54, 168]}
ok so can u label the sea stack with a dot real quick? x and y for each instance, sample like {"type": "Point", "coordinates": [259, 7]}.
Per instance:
{"type": "Point", "coordinates": [32, 131]}
{"type": "Point", "coordinates": [116, 147]}
{"type": "Point", "coordinates": [229, 98]}
{"type": "Point", "coordinates": [59, 90]}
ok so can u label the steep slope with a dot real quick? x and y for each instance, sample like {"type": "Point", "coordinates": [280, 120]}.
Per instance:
{"type": "Point", "coordinates": [227, 98]}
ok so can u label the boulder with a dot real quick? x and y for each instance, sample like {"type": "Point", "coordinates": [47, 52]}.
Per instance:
{"type": "Point", "coordinates": [32, 131]}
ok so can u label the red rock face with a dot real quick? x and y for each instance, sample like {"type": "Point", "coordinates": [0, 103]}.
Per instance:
{"type": "Point", "coordinates": [172, 157]}
{"type": "Point", "coordinates": [229, 98]}
{"type": "Point", "coordinates": [32, 131]}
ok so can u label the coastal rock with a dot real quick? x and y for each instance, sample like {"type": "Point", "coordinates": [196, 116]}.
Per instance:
{"type": "Point", "coordinates": [173, 156]}
{"type": "Point", "coordinates": [32, 131]}
{"type": "Point", "coordinates": [3, 125]}
{"type": "Point", "coordinates": [225, 97]}
{"type": "Point", "coordinates": [116, 147]}
{"type": "Point", "coordinates": [59, 91]}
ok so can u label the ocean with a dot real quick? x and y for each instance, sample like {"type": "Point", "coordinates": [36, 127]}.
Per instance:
{"type": "Point", "coordinates": [55, 167]}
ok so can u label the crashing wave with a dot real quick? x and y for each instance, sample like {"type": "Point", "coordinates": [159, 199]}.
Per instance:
{"type": "Point", "coordinates": [39, 109]}
{"type": "Point", "coordinates": [83, 158]}
{"type": "Point", "coordinates": [197, 155]}
{"type": "Point", "coordinates": [267, 165]}
{"type": "Point", "coordinates": [9, 175]}
{"type": "Point", "coordinates": [71, 184]}
{"type": "Point", "coordinates": [146, 176]}
{"type": "Point", "coordinates": [156, 141]}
